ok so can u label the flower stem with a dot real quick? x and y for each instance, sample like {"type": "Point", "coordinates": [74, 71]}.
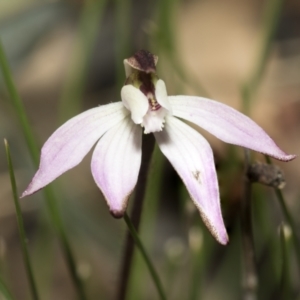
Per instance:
{"type": "Point", "coordinates": [288, 217]}
{"type": "Point", "coordinates": [153, 189]}
{"type": "Point", "coordinates": [147, 260]}
{"type": "Point", "coordinates": [23, 238]}
{"type": "Point", "coordinates": [250, 276]}
{"type": "Point", "coordinates": [34, 153]}
{"type": "Point", "coordinates": [147, 149]}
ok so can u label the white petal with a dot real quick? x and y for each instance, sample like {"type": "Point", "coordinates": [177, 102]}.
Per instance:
{"type": "Point", "coordinates": [116, 162]}
{"type": "Point", "coordinates": [68, 145]}
{"type": "Point", "coordinates": [227, 124]}
{"type": "Point", "coordinates": [162, 95]}
{"type": "Point", "coordinates": [154, 120]}
{"type": "Point", "coordinates": [127, 67]}
{"type": "Point", "coordinates": [192, 158]}
{"type": "Point", "coordinates": [135, 101]}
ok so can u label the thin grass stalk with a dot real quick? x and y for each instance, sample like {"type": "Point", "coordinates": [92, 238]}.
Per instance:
{"type": "Point", "coordinates": [18, 106]}
{"type": "Point", "coordinates": [166, 41]}
{"type": "Point", "coordinates": [153, 191]}
{"type": "Point", "coordinates": [248, 92]}
{"type": "Point", "coordinates": [4, 291]}
{"type": "Point", "coordinates": [271, 21]}
{"type": "Point", "coordinates": [147, 226]}
{"type": "Point", "coordinates": [136, 213]}
{"type": "Point", "coordinates": [285, 264]}
{"type": "Point", "coordinates": [288, 218]}
{"type": "Point", "coordinates": [290, 222]}
{"type": "Point", "coordinates": [147, 260]}
{"type": "Point", "coordinates": [23, 238]}
{"type": "Point", "coordinates": [197, 270]}
{"type": "Point", "coordinates": [123, 39]}
{"type": "Point", "coordinates": [34, 153]}
{"type": "Point", "coordinates": [86, 36]}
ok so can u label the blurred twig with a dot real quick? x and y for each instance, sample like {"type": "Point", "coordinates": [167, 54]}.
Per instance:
{"type": "Point", "coordinates": [23, 238]}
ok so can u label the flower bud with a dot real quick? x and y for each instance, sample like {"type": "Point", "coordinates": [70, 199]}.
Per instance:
{"type": "Point", "coordinates": [266, 174]}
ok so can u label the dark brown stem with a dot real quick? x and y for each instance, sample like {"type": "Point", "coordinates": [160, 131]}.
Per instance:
{"type": "Point", "coordinates": [147, 149]}
{"type": "Point", "coordinates": [249, 276]}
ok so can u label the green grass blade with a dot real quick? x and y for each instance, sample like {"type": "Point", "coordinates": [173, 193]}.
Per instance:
{"type": "Point", "coordinates": [122, 42]}
{"type": "Point", "coordinates": [21, 228]}
{"type": "Point", "coordinates": [73, 88]}
{"type": "Point", "coordinates": [147, 260]}
{"type": "Point", "coordinates": [284, 232]}
{"type": "Point", "coordinates": [18, 106]}
{"type": "Point", "coordinates": [270, 26]}
{"type": "Point", "coordinates": [288, 218]}
{"type": "Point", "coordinates": [149, 218]}
{"type": "Point", "coordinates": [5, 291]}
{"type": "Point", "coordinates": [34, 153]}
{"type": "Point", "coordinates": [166, 41]}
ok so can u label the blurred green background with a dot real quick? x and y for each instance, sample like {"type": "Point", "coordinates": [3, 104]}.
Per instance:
{"type": "Point", "coordinates": [67, 56]}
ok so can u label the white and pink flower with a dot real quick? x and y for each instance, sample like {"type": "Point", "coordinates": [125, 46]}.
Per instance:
{"type": "Point", "coordinates": [117, 129]}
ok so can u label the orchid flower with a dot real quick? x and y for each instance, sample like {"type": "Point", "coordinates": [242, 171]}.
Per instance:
{"type": "Point", "coordinates": [117, 129]}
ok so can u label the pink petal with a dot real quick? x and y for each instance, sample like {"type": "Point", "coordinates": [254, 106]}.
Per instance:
{"type": "Point", "coordinates": [68, 145]}
{"type": "Point", "coordinates": [227, 124]}
{"type": "Point", "coordinates": [116, 162]}
{"type": "Point", "coordinates": [192, 158]}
